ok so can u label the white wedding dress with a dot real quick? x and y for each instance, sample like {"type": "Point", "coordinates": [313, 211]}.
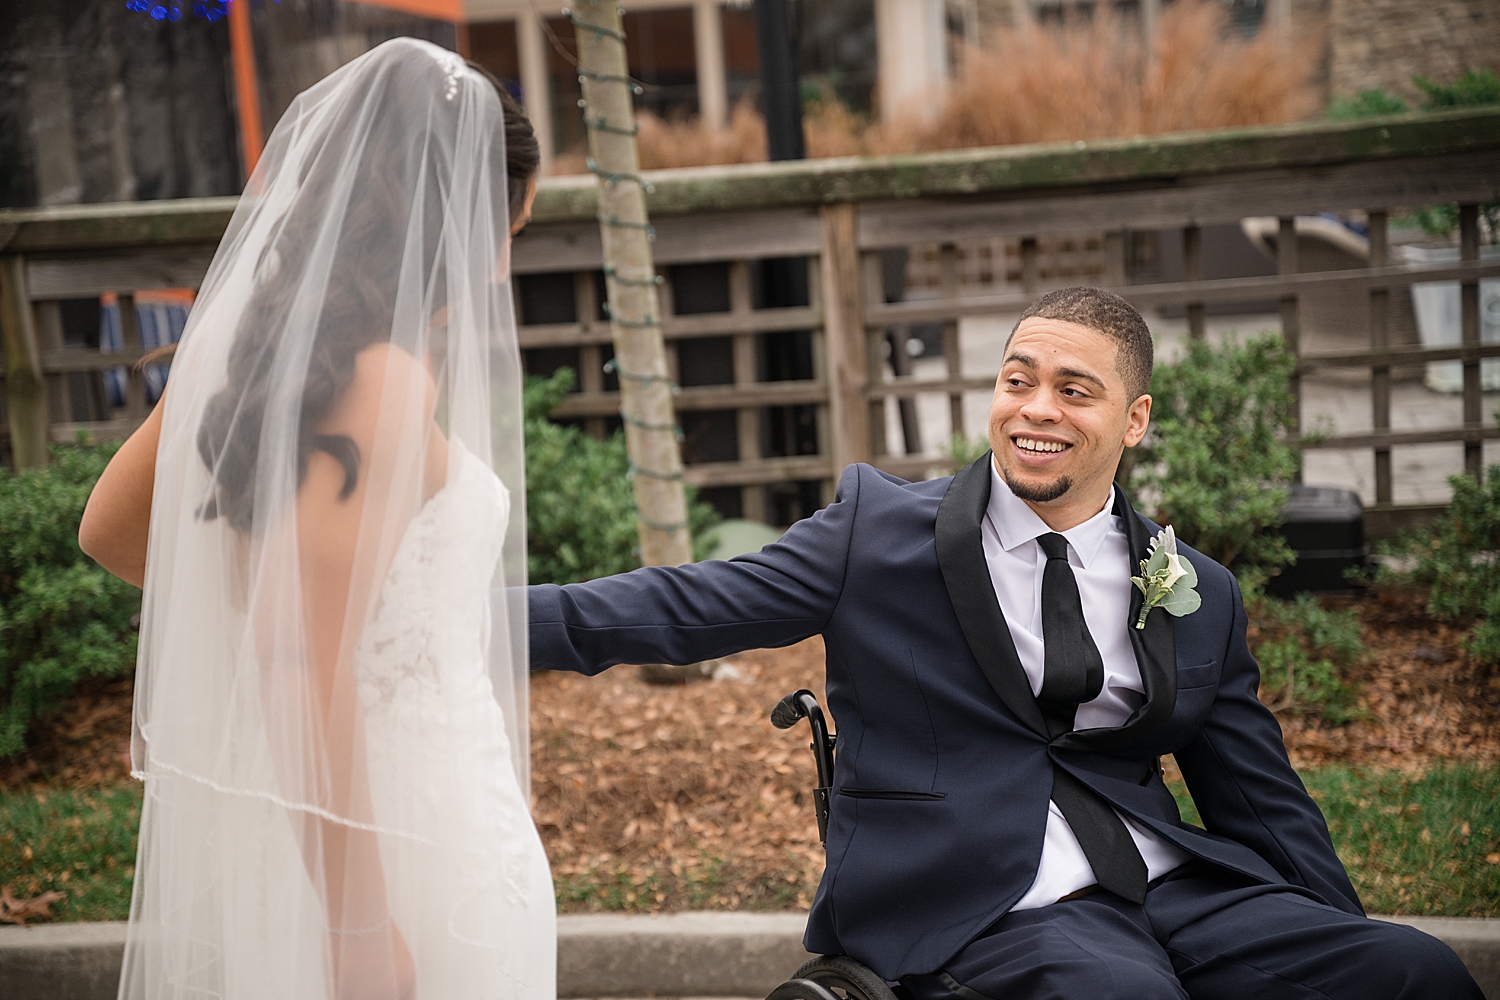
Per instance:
{"type": "Point", "coordinates": [377, 217]}
{"type": "Point", "coordinates": [440, 763]}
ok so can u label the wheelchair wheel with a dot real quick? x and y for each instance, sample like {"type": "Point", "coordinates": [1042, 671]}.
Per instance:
{"type": "Point", "coordinates": [842, 977]}
{"type": "Point", "coordinates": [800, 989]}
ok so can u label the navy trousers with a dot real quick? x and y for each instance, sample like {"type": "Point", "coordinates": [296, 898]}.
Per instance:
{"type": "Point", "coordinates": [1200, 935]}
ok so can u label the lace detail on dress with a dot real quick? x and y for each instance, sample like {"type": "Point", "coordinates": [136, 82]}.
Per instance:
{"type": "Point", "coordinates": [432, 614]}
{"type": "Point", "coordinates": [439, 757]}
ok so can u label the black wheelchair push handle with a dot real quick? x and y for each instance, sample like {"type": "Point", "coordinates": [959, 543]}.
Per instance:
{"type": "Point", "coordinates": [804, 705]}
{"type": "Point", "coordinates": [793, 707]}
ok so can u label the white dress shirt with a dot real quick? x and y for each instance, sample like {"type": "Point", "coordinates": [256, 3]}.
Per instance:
{"type": "Point", "coordinates": [1099, 553]}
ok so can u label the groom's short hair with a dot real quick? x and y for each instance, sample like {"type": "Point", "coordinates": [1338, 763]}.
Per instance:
{"type": "Point", "coordinates": [1112, 316]}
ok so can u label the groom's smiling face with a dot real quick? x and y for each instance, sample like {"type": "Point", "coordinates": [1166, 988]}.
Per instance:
{"type": "Point", "coordinates": [1061, 416]}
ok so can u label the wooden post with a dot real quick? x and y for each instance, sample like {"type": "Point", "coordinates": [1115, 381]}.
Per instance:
{"type": "Point", "coordinates": [948, 280]}
{"type": "Point", "coordinates": [1291, 322]}
{"type": "Point", "coordinates": [822, 411]}
{"type": "Point", "coordinates": [47, 317]}
{"type": "Point", "coordinates": [870, 272]}
{"type": "Point", "coordinates": [635, 309]}
{"type": "Point", "coordinates": [708, 52]}
{"type": "Point", "coordinates": [25, 394]}
{"type": "Point", "coordinates": [1380, 340]}
{"type": "Point", "coordinates": [536, 88]}
{"type": "Point", "coordinates": [844, 328]}
{"type": "Point", "coordinates": [590, 356]}
{"type": "Point", "coordinates": [1020, 13]}
{"type": "Point", "coordinates": [1150, 18]}
{"type": "Point", "coordinates": [1029, 275]}
{"type": "Point", "coordinates": [1114, 258]}
{"type": "Point", "coordinates": [136, 407]}
{"type": "Point", "coordinates": [747, 418]}
{"type": "Point", "coordinates": [1468, 241]}
{"type": "Point", "coordinates": [1192, 269]}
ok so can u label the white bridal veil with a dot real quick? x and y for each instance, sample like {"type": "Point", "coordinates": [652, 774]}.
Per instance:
{"type": "Point", "coordinates": [347, 393]}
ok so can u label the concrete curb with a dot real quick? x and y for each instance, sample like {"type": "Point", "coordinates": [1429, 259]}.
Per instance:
{"type": "Point", "coordinates": [1475, 940]}
{"type": "Point", "coordinates": [679, 955]}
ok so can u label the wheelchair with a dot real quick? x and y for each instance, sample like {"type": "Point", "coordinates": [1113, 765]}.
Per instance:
{"type": "Point", "coordinates": [827, 977]}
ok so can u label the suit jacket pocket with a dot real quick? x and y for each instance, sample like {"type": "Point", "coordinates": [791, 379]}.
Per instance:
{"type": "Point", "coordinates": [1198, 675]}
{"type": "Point", "coordinates": [891, 793]}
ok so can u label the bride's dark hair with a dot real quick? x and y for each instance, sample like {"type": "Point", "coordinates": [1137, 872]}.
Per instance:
{"type": "Point", "coordinates": [360, 294]}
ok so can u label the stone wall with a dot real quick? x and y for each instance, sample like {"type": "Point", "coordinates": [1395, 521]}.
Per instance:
{"type": "Point", "coordinates": [1383, 43]}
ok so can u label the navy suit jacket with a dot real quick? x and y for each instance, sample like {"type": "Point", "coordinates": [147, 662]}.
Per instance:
{"type": "Point", "coordinates": [944, 768]}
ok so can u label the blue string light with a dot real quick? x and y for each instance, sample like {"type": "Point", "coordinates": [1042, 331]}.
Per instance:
{"type": "Point", "coordinates": [208, 10]}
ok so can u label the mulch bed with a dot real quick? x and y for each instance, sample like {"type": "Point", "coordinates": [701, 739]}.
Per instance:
{"type": "Point", "coordinates": [655, 798]}
{"type": "Point", "coordinates": [1424, 699]}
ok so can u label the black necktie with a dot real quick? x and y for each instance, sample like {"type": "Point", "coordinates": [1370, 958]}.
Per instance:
{"type": "Point", "coordinates": [1073, 673]}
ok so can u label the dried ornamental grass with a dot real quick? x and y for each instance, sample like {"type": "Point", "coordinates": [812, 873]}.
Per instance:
{"type": "Point", "coordinates": [1088, 80]}
{"type": "Point", "coordinates": [683, 143]}
{"type": "Point", "coordinates": [1093, 81]}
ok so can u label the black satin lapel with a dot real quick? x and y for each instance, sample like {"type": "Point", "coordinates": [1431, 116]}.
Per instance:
{"type": "Point", "coordinates": [960, 554]}
{"type": "Point", "coordinates": [1156, 644]}
{"type": "Point", "coordinates": [1155, 654]}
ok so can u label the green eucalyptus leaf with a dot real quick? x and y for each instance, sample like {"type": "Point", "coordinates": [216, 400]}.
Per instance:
{"type": "Point", "coordinates": [1182, 601]}
{"type": "Point", "coordinates": [1190, 575]}
{"type": "Point", "coordinates": [1158, 561]}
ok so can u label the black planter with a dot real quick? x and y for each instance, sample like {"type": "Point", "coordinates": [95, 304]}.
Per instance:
{"type": "Point", "coordinates": [1326, 528]}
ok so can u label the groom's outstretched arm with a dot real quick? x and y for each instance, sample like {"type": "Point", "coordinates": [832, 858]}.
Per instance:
{"type": "Point", "coordinates": [685, 614]}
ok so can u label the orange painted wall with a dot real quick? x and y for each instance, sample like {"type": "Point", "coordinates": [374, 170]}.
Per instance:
{"type": "Point", "coordinates": [440, 10]}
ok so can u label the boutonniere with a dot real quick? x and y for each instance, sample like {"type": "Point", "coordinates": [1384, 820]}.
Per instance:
{"type": "Point", "coordinates": [1167, 580]}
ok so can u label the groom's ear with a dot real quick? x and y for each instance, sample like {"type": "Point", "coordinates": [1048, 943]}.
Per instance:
{"type": "Point", "coordinates": [1137, 420]}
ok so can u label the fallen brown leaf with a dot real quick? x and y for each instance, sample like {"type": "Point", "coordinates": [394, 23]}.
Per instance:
{"type": "Point", "coordinates": [18, 911]}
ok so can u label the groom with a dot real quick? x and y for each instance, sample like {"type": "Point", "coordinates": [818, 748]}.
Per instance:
{"type": "Point", "coordinates": [1000, 827]}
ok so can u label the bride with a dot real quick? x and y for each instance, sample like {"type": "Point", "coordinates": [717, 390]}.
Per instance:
{"type": "Point", "coordinates": [330, 708]}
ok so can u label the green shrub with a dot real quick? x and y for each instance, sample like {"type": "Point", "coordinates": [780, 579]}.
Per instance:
{"type": "Point", "coordinates": [1215, 462]}
{"type": "Point", "coordinates": [1303, 650]}
{"type": "Point", "coordinates": [1458, 558]}
{"type": "Point", "coordinates": [1214, 466]}
{"type": "Point", "coordinates": [1367, 104]}
{"type": "Point", "coordinates": [580, 506]}
{"type": "Point", "coordinates": [1472, 88]}
{"type": "Point", "coordinates": [963, 450]}
{"type": "Point", "coordinates": [62, 618]}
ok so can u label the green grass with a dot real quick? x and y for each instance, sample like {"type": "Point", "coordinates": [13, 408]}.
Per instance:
{"type": "Point", "coordinates": [1412, 844]}
{"type": "Point", "coordinates": [1402, 838]}
{"type": "Point", "coordinates": [616, 888]}
{"type": "Point", "coordinates": [81, 843]}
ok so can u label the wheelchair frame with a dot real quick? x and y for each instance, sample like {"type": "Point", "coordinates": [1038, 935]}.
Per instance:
{"type": "Point", "coordinates": [827, 977]}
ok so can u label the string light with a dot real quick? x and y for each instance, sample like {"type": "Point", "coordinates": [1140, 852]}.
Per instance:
{"type": "Point", "coordinates": [208, 10]}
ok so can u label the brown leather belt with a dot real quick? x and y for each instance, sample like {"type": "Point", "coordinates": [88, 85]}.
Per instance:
{"type": "Point", "coordinates": [1087, 890]}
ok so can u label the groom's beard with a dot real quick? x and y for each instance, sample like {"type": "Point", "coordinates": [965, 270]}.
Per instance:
{"type": "Point", "coordinates": [1044, 493]}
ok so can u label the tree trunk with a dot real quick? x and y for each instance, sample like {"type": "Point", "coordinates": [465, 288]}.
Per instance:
{"type": "Point", "coordinates": [651, 432]}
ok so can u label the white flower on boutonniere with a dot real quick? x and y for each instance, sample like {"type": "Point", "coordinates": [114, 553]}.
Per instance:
{"type": "Point", "coordinates": [1167, 580]}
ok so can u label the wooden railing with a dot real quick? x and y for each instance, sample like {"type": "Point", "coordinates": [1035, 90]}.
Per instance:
{"type": "Point", "coordinates": [803, 422]}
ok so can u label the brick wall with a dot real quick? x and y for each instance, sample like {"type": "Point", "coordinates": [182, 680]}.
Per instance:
{"type": "Point", "coordinates": [1383, 43]}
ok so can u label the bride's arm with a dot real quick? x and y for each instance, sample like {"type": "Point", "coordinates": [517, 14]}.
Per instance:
{"type": "Point", "coordinates": [342, 860]}
{"type": "Point", "coordinates": [118, 514]}
{"type": "Point", "coordinates": [346, 544]}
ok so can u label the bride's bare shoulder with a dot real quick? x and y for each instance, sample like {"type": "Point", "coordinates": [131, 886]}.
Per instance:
{"type": "Point", "coordinates": [387, 379]}
{"type": "Point", "coordinates": [390, 394]}
{"type": "Point", "coordinates": [388, 389]}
